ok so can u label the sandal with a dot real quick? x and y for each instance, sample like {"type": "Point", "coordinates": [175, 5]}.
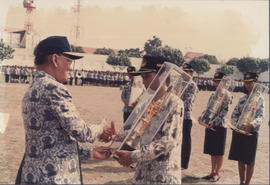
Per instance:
{"type": "Point", "coordinates": [214, 178]}
{"type": "Point", "coordinates": [207, 177]}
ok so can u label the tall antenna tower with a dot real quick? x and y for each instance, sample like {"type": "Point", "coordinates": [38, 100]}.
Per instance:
{"type": "Point", "coordinates": [76, 27]}
{"type": "Point", "coordinates": [28, 24]}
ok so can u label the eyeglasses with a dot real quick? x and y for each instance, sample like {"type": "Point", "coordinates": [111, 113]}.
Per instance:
{"type": "Point", "coordinates": [67, 59]}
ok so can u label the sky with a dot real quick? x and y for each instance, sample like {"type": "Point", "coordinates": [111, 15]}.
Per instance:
{"type": "Point", "coordinates": [228, 28]}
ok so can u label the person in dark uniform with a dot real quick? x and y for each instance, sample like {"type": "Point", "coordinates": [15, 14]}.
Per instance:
{"type": "Point", "coordinates": [243, 147]}
{"type": "Point", "coordinates": [214, 141]}
{"type": "Point", "coordinates": [188, 98]}
{"type": "Point", "coordinates": [125, 95]}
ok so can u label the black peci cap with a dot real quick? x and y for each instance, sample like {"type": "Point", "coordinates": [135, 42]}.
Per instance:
{"type": "Point", "coordinates": [131, 69]}
{"type": "Point", "coordinates": [218, 76]}
{"type": "Point", "coordinates": [250, 76]}
{"type": "Point", "coordinates": [187, 67]}
{"type": "Point", "coordinates": [149, 64]}
{"type": "Point", "coordinates": [55, 45]}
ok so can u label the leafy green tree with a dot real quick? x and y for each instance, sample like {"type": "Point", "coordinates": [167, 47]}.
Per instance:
{"type": "Point", "coordinates": [232, 61]}
{"type": "Point", "coordinates": [118, 60]}
{"type": "Point", "coordinates": [5, 51]}
{"type": "Point", "coordinates": [152, 44]}
{"type": "Point", "coordinates": [104, 51]}
{"type": "Point", "coordinates": [78, 49]}
{"type": "Point", "coordinates": [249, 64]}
{"type": "Point", "coordinates": [154, 47]}
{"type": "Point", "coordinates": [200, 65]}
{"type": "Point", "coordinates": [132, 52]}
{"type": "Point", "coordinates": [170, 54]}
{"type": "Point", "coordinates": [264, 64]}
{"type": "Point", "coordinates": [210, 58]}
{"type": "Point", "coordinates": [226, 69]}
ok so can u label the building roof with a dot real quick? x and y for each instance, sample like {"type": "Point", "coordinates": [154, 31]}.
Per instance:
{"type": "Point", "coordinates": [190, 55]}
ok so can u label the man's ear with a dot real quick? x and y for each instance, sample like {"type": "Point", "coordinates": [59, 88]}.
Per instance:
{"type": "Point", "coordinates": [54, 59]}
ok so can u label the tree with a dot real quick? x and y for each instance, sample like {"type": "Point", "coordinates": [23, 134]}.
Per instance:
{"type": "Point", "coordinates": [200, 65]}
{"type": "Point", "coordinates": [232, 61]}
{"type": "Point", "coordinates": [249, 64]}
{"type": "Point", "coordinates": [133, 52]}
{"type": "Point", "coordinates": [226, 69]}
{"type": "Point", "coordinates": [104, 51]}
{"type": "Point", "coordinates": [152, 44]}
{"type": "Point", "coordinates": [210, 58]}
{"type": "Point", "coordinates": [5, 51]}
{"type": "Point", "coordinates": [264, 64]}
{"type": "Point", "coordinates": [118, 60]}
{"type": "Point", "coordinates": [78, 49]}
{"type": "Point", "coordinates": [170, 54]}
{"type": "Point", "coordinates": [154, 47]}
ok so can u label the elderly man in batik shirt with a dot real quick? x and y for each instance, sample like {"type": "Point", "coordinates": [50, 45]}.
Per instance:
{"type": "Point", "coordinates": [157, 160]}
{"type": "Point", "coordinates": [243, 147]}
{"type": "Point", "coordinates": [188, 98]}
{"type": "Point", "coordinates": [52, 124]}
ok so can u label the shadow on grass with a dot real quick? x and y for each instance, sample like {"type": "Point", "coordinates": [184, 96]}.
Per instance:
{"type": "Point", "coordinates": [108, 169]}
{"type": "Point", "coordinates": [191, 179]}
{"type": "Point", "coordinates": [128, 181]}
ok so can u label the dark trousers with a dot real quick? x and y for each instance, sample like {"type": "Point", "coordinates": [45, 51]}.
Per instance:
{"type": "Point", "coordinates": [186, 143]}
{"type": "Point", "coordinates": [126, 115]}
{"type": "Point", "coordinates": [19, 173]}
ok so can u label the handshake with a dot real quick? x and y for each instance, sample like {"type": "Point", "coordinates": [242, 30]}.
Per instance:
{"type": "Point", "coordinates": [122, 156]}
{"type": "Point", "coordinates": [104, 152]}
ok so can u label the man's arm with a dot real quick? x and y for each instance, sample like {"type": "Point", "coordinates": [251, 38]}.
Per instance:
{"type": "Point", "coordinates": [69, 118]}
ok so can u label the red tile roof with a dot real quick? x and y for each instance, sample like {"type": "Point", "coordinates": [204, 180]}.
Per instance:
{"type": "Point", "coordinates": [190, 55]}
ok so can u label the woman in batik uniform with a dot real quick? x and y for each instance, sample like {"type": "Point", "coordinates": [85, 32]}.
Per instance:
{"type": "Point", "coordinates": [243, 147]}
{"type": "Point", "coordinates": [215, 133]}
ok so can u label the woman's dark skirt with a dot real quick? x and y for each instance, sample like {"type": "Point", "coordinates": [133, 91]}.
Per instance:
{"type": "Point", "coordinates": [243, 148]}
{"type": "Point", "coordinates": [214, 141]}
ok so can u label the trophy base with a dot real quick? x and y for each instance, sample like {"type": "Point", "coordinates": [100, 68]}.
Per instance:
{"type": "Point", "coordinates": [239, 130]}
{"type": "Point", "coordinates": [205, 125]}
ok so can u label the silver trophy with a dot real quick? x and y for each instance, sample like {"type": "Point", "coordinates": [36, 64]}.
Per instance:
{"type": "Point", "coordinates": [251, 106]}
{"type": "Point", "coordinates": [220, 96]}
{"type": "Point", "coordinates": [139, 123]}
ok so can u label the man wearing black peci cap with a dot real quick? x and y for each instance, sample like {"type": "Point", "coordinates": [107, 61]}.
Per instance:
{"type": "Point", "coordinates": [52, 124]}
{"type": "Point", "coordinates": [243, 147]}
{"type": "Point", "coordinates": [158, 162]}
{"type": "Point", "coordinates": [188, 98]}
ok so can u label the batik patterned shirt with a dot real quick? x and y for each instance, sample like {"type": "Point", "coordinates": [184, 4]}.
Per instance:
{"type": "Point", "coordinates": [188, 97]}
{"type": "Point", "coordinates": [219, 117]}
{"type": "Point", "coordinates": [158, 162]}
{"type": "Point", "coordinates": [52, 128]}
{"type": "Point", "coordinates": [259, 113]}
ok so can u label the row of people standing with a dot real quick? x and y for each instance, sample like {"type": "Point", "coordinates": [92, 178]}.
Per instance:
{"type": "Point", "coordinates": [17, 74]}
{"type": "Point", "coordinates": [243, 147]}
{"type": "Point", "coordinates": [97, 78]}
{"type": "Point", "coordinates": [207, 84]}
{"type": "Point", "coordinates": [24, 74]}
